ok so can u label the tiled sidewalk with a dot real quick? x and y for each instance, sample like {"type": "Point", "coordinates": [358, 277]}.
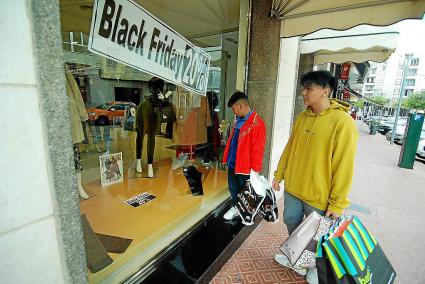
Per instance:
{"type": "Point", "coordinates": [389, 201]}
{"type": "Point", "coordinates": [253, 262]}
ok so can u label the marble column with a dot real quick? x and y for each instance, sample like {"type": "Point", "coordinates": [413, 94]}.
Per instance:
{"type": "Point", "coordinates": [263, 62]}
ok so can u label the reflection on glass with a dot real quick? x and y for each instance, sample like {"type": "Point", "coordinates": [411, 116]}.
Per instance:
{"type": "Point", "coordinates": [133, 137]}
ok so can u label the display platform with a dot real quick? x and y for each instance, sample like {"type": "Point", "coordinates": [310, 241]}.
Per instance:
{"type": "Point", "coordinates": [155, 224]}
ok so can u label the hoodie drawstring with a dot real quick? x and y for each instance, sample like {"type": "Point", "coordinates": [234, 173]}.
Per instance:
{"type": "Point", "coordinates": [311, 130]}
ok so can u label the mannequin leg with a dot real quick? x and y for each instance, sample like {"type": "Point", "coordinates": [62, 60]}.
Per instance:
{"type": "Point", "coordinates": [81, 192]}
{"type": "Point", "coordinates": [151, 150]}
{"type": "Point", "coordinates": [150, 170]}
{"type": "Point", "coordinates": [79, 169]}
{"type": "Point", "coordinates": [139, 148]}
{"type": "Point", "coordinates": [139, 166]}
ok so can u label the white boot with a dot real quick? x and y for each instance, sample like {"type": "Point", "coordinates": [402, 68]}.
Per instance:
{"type": "Point", "coordinates": [139, 166]}
{"type": "Point", "coordinates": [81, 192]}
{"type": "Point", "coordinates": [150, 170]}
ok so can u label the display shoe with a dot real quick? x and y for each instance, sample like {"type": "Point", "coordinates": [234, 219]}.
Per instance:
{"type": "Point", "coordinates": [230, 214]}
{"type": "Point", "coordinates": [139, 166]}
{"type": "Point", "coordinates": [150, 171]}
{"type": "Point", "coordinates": [284, 261]}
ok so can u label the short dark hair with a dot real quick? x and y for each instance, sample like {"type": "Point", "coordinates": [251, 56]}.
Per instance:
{"type": "Point", "coordinates": [236, 97]}
{"type": "Point", "coordinates": [156, 83]}
{"type": "Point", "coordinates": [320, 78]}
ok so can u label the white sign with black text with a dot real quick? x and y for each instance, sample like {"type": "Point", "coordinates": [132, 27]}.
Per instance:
{"type": "Point", "coordinates": [125, 32]}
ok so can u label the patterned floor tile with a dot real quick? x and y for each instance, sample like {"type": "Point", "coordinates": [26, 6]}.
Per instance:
{"type": "Point", "coordinates": [253, 262]}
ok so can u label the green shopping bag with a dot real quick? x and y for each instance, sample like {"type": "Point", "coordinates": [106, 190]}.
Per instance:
{"type": "Point", "coordinates": [353, 257]}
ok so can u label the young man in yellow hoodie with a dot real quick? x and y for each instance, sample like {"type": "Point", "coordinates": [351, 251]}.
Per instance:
{"type": "Point", "coordinates": [317, 164]}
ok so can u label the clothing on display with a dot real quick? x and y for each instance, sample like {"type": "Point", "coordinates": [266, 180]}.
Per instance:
{"type": "Point", "coordinates": [77, 108]}
{"type": "Point", "coordinates": [190, 127]}
{"type": "Point", "coordinates": [77, 159]}
{"type": "Point", "coordinates": [78, 115]}
{"type": "Point", "coordinates": [129, 119]}
{"type": "Point", "coordinates": [146, 121]}
{"type": "Point", "coordinates": [213, 135]}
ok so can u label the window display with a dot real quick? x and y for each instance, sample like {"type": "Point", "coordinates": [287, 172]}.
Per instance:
{"type": "Point", "coordinates": [147, 154]}
{"type": "Point", "coordinates": [147, 173]}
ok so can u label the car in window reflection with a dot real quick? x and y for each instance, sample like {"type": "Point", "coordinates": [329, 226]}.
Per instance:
{"type": "Point", "coordinates": [104, 114]}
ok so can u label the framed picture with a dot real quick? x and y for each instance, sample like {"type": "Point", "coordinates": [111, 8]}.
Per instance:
{"type": "Point", "coordinates": [111, 169]}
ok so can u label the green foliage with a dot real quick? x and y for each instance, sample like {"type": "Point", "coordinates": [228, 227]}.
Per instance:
{"type": "Point", "coordinates": [415, 101]}
{"type": "Point", "coordinates": [379, 100]}
{"type": "Point", "coordinates": [359, 104]}
{"type": "Point", "coordinates": [374, 122]}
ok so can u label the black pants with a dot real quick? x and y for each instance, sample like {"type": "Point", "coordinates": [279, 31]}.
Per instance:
{"type": "Point", "coordinates": [151, 143]}
{"type": "Point", "coordinates": [236, 182]}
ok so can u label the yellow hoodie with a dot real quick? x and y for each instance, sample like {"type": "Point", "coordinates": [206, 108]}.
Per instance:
{"type": "Point", "coordinates": [317, 164]}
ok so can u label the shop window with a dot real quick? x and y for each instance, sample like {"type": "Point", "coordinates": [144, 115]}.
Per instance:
{"type": "Point", "coordinates": [133, 137]}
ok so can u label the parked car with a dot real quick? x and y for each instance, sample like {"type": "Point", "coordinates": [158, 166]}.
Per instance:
{"type": "Point", "coordinates": [420, 152]}
{"type": "Point", "coordinates": [104, 114]}
{"type": "Point", "coordinates": [387, 124]}
{"type": "Point", "coordinates": [399, 134]}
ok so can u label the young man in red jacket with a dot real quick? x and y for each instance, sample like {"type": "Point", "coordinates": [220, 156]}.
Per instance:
{"type": "Point", "coordinates": [244, 148]}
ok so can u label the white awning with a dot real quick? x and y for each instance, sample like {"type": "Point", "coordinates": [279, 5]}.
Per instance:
{"type": "Point", "coordinates": [192, 19]}
{"type": "Point", "coordinates": [358, 44]}
{"type": "Point", "coordinates": [301, 17]}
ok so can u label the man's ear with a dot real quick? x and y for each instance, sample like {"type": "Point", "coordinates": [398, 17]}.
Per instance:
{"type": "Point", "coordinates": [326, 92]}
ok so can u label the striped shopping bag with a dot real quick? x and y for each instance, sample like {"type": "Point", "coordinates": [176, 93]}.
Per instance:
{"type": "Point", "coordinates": [351, 254]}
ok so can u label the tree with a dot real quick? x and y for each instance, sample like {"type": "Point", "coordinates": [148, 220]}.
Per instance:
{"type": "Point", "coordinates": [415, 101]}
{"type": "Point", "coordinates": [379, 100]}
{"type": "Point", "coordinates": [359, 104]}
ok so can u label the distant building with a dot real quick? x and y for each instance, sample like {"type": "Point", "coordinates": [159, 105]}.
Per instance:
{"type": "Point", "coordinates": [387, 78]}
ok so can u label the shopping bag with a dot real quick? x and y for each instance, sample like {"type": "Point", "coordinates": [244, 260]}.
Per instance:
{"type": "Point", "coordinates": [298, 241]}
{"type": "Point", "coordinates": [268, 209]}
{"type": "Point", "coordinates": [352, 255]}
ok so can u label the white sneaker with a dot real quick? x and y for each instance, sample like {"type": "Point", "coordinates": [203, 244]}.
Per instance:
{"type": "Point", "coordinates": [230, 214]}
{"type": "Point", "coordinates": [312, 277]}
{"type": "Point", "coordinates": [284, 261]}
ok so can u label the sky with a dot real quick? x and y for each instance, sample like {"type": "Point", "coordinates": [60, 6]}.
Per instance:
{"type": "Point", "coordinates": [412, 37]}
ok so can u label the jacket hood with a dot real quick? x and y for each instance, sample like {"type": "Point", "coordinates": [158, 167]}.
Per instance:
{"type": "Point", "coordinates": [335, 105]}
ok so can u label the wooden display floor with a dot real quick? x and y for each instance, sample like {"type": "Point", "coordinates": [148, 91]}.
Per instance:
{"type": "Point", "coordinates": [154, 225]}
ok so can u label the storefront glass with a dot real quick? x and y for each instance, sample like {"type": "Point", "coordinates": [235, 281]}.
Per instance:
{"type": "Point", "coordinates": [147, 152]}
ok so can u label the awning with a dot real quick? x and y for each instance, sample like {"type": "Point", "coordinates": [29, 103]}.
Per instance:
{"type": "Point", "coordinates": [358, 44]}
{"type": "Point", "coordinates": [300, 17]}
{"type": "Point", "coordinates": [192, 19]}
